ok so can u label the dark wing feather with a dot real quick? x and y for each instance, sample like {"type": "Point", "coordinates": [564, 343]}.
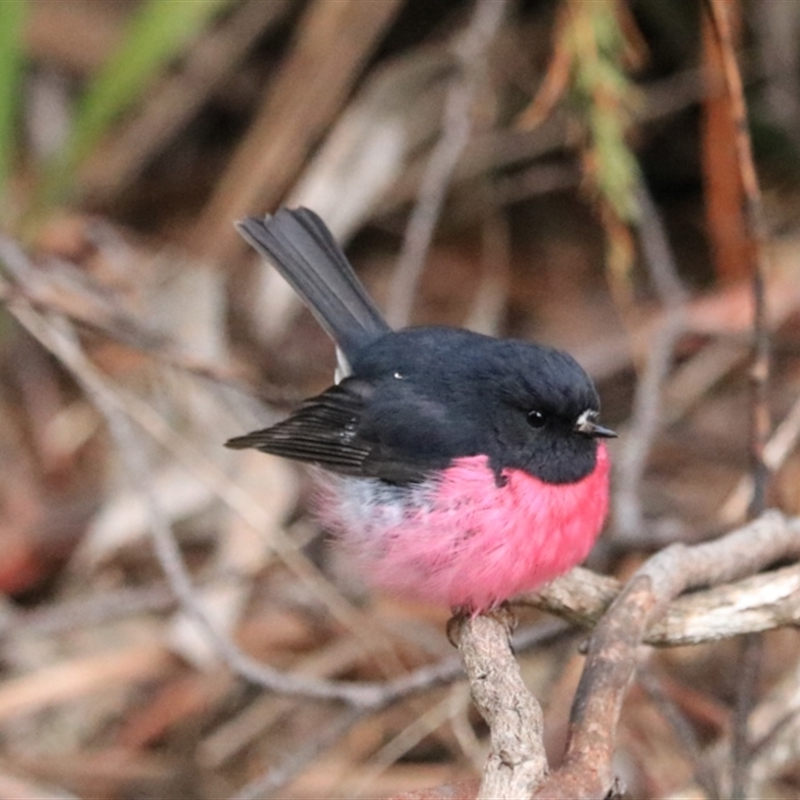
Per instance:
{"type": "Point", "coordinates": [326, 431]}
{"type": "Point", "coordinates": [323, 431]}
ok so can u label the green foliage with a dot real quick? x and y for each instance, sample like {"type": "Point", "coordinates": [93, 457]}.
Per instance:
{"type": "Point", "coordinates": [605, 95]}
{"type": "Point", "coordinates": [157, 33]}
{"type": "Point", "coordinates": [12, 18]}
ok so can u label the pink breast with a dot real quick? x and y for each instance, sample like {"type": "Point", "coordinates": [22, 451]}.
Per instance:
{"type": "Point", "coordinates": [464, 541]}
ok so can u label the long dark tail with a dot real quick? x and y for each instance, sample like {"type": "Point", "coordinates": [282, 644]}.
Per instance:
{"type": "Point", "coordinates": [302, 248]}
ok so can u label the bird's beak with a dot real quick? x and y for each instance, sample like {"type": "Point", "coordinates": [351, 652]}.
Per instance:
{"type": "Point", "coordinates": [587, 426]}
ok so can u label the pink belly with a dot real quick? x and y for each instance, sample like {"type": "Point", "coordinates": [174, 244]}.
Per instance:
{"type": "Point", "coordinates": [464, 541]}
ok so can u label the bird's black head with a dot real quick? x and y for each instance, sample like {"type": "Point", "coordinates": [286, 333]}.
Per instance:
{"type": "Point", "coordinates": [443, 393]}
{"type": "Point", "coordinates": [543, 409]}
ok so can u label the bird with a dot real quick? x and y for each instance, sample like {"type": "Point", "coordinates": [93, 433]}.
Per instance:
{"type": "Point", "coordinates": [454, 468]}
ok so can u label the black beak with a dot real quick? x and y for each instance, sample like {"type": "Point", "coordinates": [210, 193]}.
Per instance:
{"type": "Point", "coordinates": [588, 427]}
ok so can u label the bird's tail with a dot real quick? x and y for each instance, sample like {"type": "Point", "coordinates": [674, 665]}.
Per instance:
{"type": "Point", "coordinates": [304, 251]}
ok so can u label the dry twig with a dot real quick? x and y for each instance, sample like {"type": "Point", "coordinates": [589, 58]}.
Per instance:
{"type": "Point", "coordinates": [684, 732]}
{"type": "Point", "coordinates": [63, 289]}
{"type": "Point", "coordinates": [470, 51]}
{"type": "Point", "coordinates": [720, 13]}
{"type": "Point", "coordinates": [646, 415]}
{"type": "Point", "coordinates": [277, 777]}
{"type": "Point", "coordinates": [332, 43]}
{"type": "Point", "coordinates": [758, 603]}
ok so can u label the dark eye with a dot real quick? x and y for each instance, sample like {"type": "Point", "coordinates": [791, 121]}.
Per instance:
{"type": "Point", "coordinates": [536, 419]}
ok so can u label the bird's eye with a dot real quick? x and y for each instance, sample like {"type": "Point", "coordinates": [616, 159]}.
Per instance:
{"type": "Point", "coordinates": [536, 419]}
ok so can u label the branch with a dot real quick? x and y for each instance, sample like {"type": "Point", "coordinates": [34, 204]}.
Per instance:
{"type": "Point", "coordinates": [470, 53]}
{"type": "Point", "coordinates": [611, 661]}
{"type": "Point", "coordinates": [60, 287]}
{"type": "Point", "coordinates": [758, 603]}
{"type": "Point", "coordinates": [646, 416]}
{"type": "Point", "coordinates": [720, 13]}
{"type": "Point", "coordinates": [517, 762]}
{"type": "Point", "coordinates": [276, 777]}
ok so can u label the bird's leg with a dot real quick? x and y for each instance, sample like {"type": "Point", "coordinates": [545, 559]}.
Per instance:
{"type": "Point", "coordinates": [453, 627]}
{"type": "Point", "coordinates": [503, 613]}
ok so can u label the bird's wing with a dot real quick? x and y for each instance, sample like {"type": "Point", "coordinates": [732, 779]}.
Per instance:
{"type": "Point", "coordinates": [334, 431]}
{"type": "Point", "coordinates": [322, 431]}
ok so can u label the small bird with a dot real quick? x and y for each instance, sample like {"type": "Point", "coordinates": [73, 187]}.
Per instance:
{"type": "Point", "coordinates": [461, 469]}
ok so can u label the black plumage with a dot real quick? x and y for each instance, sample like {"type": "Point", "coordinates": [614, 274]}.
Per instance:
{"type": "Point", "coordinates": [421, 397]}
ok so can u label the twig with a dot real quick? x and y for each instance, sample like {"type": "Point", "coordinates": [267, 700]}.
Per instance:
{"type": "Point", "coordinates": [719, 12]}
{"type": "Point", "coordinates": [750, 656]}
{"type": "Point", "coordinates": [57, 336]}
{"type": "Point", "coordinates": [775, 727]}
{"type": "Point", "coordinates": [777, 449]}
{"type": "Point", "coordinates": [517, 762]}
{"type": "Point", "coordinates": [89, 304]}
{"type": "Point", "coordinates": [277, 777]}
{"type": "Point", "coordinates": [470, 52]}
{"type": "Point", "coordinates": [694, 379]}
{"type": "Point", "coordinates": [704, 776]}
{"type": "Point", "coordinates": [646, 415]}
{"type": "Point", "coordinates": [81, 613]}
{"type": "Point", "coordinates": [82, 676]}
{"type": "Point", "coordinates": [775, 731]}
{"type": "Point", "coordinates": [757, 235]}
{"type": "Point", "coordinates": [611, 660]}
{"type": "Point", "coordinates": [758, 603]}
{"type": "Point", "coordinates": [424, 724]}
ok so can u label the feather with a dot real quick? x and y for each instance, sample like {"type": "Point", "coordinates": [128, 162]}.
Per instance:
{"type": "Point", "coordinates": [325, 431]}
{"type": "Point", "coordinates": [306, 254]}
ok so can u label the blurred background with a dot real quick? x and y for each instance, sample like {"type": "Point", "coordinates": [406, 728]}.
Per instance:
{"type": "Point", "coordinates": [559, 170]}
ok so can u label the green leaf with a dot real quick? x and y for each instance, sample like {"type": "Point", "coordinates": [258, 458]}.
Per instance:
{"type": "Point", "coordinates": [12, 19]}
{"type": "Point", "coordinates": [158, 33]}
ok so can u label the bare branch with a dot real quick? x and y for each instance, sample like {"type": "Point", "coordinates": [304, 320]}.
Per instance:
{"type": "Point", "coordinates": [703, 774]}
{"type": "Point", "coordinates": [720, 14]}
{"type": "Point", "coordinates": [517, 762]}
{"type": "Point", "coordinates": [646, 415]}
{"type": "Point", "coordinates": [758, 603]}
{"type": "Point", "coordinates": [470, 52]}
{"type": "Point", "coordinates": [62, 289]}
{"type": "Point", "coordinates": [276, 777]}
{"type": "Point", "coordinates": [611, 660]}
{"type": "Point", "coordinates": [777, 449]}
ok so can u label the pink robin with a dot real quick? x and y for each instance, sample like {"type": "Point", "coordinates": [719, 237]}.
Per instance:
{"type": "Point", "coordinates": [463, 469]}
